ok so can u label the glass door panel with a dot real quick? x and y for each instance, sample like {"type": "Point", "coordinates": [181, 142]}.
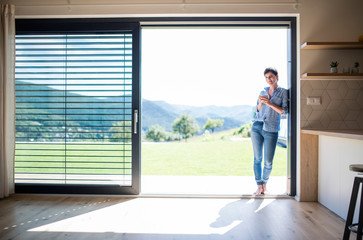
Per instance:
{"type": "Point", "coordinates": [76, 95]}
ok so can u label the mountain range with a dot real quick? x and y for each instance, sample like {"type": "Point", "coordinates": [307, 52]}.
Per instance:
{"type": "Point", "coordinates": [153, 112]}
{"type": "Point", "coordinates": [164, 114]}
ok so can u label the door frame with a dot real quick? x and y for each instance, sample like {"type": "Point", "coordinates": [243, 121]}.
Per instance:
{"type": "Point", "coordinates": [110, 24]}
{"type": "Point", "coordinates": [291, 22]}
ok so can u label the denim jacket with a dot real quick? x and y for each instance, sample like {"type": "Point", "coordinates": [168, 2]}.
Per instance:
{"type": "Point", "coordinates": [267, 115]}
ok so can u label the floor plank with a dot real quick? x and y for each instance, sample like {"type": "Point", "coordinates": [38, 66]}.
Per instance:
{"type": "Point", "coordinates": [95, 217]}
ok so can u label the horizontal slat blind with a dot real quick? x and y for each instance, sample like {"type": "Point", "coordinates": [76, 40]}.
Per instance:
{"type": "Point", "coordinates": [74, 109]}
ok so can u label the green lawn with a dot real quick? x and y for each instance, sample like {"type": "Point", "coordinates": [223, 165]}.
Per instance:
{"type": "Point", "coordinates": [78, 159]}
{"type": "Point", "coordinates": [201, 158]}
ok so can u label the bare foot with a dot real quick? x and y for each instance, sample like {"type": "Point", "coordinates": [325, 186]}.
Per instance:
{"type": "Point", "coordinates": [264, 189]}
{"type": "Point", "coordinates": [259, 190]}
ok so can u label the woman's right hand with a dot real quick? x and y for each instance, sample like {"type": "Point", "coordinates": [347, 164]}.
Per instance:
{"type": "Point", "coordinates": [260, 102]}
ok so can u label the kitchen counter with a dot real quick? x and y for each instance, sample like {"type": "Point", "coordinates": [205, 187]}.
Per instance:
{"type": "Point", "coordinates": [352, 134]}
{"type": "Point", "coordinates": [325, 156]}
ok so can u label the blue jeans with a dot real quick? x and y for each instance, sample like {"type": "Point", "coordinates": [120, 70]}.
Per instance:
{"type": "Point", "coordinates": [267, 141]}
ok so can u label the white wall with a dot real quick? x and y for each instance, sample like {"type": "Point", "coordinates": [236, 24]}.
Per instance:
{"type": "Point", "coordinates": [335, 178]}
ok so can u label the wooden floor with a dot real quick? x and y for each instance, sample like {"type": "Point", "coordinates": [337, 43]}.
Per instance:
{"type": "Point", "coordinates": [39, 217]}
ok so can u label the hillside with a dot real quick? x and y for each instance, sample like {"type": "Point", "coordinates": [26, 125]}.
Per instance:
{"type": "Point", "coordinates": [153, 114]}
{"type": "Point", "coordinates": [163, 113]}
{"type": "Point", "coordinates": [103, 117]}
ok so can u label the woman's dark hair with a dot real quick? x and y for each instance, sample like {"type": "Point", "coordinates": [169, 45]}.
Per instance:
{"type": "Point", "coordinates": [271, 70]}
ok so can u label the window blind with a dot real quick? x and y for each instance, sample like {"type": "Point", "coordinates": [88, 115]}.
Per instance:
{"type": "Point", "coordinates": [74, 109]}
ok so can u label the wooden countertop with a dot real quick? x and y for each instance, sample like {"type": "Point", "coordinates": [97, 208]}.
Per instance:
{"type": "Point", "coordinates": [352, 134]}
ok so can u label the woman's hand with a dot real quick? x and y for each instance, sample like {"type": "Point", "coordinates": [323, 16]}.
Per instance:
{"type": "Point", "coordinates": [264, 100]}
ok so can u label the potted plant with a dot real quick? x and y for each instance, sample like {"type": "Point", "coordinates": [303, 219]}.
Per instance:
{"type": "Point", "coordinates": [334, 67]}
{"type": "Point", "coordinates": [355, 69]}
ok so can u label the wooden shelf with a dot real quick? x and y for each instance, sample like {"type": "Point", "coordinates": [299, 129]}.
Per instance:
{"type": "Point", "coordinates": [331, 45]}
{"type": "Point", "coordinates": [332, 76]}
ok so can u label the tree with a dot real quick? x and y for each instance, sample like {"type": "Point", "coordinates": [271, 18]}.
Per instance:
{"type": "Point", "coordinates": [245, 130]}
{"type": "Point", "coordinates": [186, 126]}
{"type": "Point", "coordinates": [213, 123]}
{"type": "Point", "coordinates": [156, 133]}
{"type": "Point", "coordinates": [120, 132]}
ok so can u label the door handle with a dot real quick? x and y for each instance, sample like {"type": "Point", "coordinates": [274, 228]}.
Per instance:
{"type": "Point", "coordinates": [136, 120]}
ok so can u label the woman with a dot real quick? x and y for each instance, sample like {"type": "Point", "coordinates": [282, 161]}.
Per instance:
{"type": "Point", "coordinates": [272, 102]}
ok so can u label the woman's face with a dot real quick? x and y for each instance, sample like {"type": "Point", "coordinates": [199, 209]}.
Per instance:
{"type": "Point", "coordinates": [271, 79]}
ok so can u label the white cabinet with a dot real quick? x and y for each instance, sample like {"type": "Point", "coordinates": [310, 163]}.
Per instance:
{"type": "Point", "coordinates": [335, 179]}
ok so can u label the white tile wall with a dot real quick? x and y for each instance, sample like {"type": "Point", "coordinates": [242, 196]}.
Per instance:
{"type": "Point", "coordinates": [341, 108]}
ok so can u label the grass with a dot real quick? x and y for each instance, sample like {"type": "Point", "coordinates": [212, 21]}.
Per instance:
{"type": "Point", "coordinates": [81, 158]}
{"type": "Point", "coordinates": [203, 158]}
{"type": "Point", "coordinates": [213, 155]}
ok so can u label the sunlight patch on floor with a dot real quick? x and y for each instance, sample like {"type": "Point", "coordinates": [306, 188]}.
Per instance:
{"type": "Point", "coordinates": [161, 216]}
{"type": "Point", "coordinates": [148, 215]}
{"type": "Point", "coordinates": [264, 203]}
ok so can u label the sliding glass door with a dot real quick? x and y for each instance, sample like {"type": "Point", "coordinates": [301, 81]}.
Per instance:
{"type": "Point", "coordinates": [77, 101]}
